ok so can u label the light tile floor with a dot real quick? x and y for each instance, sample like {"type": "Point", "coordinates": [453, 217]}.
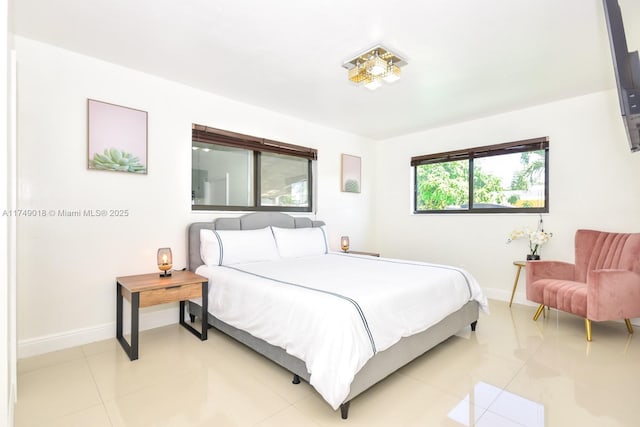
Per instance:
{"type": "Point", "coordinates": [510, 372]}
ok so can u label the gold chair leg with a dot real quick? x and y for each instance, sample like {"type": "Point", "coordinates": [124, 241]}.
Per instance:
{"type": "Point", "coordinates": [629, 327]}
{"type": "Point", "coordinates": [538, 312]}
{"type": "Point", "coordinates": [587, 325]}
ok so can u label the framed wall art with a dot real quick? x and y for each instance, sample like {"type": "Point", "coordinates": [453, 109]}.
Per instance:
{"type": "Point", "coordinates": [117, 138]}
{"type": "Point", "coordinates": [351, 181]}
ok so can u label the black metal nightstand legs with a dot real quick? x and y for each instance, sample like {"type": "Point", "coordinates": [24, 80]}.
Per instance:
{"type": "Point", "coordinates": [131, 350]}
{"type": "Point", "coordinates": [205, 324]}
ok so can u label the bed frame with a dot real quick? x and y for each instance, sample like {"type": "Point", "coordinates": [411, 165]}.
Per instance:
{"type": "Point", "coordinates": [377, 368]}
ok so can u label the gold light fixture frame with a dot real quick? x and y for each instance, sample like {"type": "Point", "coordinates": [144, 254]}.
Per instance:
{"type": "Point", "coordinates": [373, 66]}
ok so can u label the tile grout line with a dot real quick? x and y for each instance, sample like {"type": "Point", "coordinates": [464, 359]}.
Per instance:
{"type": "Point", "coordinates": [95, 383]}
{"type": "Point", "coordinates": [524, 365]}
{"type": "Point", "coordinates": [66, 414]}
{"type": "Point", "coordinates": [48, 366]}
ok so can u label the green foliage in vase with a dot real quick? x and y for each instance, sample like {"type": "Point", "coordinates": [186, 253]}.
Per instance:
{"type": "Point", "coordinates": [351, 186]}
{"type": "Point", "coordinates": [117, 160]}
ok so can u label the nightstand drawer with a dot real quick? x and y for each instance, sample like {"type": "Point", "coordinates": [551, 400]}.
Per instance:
{"type": "Point", "coordinates": [170, 294]}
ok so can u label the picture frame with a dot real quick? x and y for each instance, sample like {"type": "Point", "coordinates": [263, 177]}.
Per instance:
{"type": "Point", "coordinates": [117, 138]}
{"type": "Point", "coordinates": [351, 174]}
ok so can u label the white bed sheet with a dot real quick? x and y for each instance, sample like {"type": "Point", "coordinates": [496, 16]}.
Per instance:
{"type": "Point", "coordinates": [335, 311]}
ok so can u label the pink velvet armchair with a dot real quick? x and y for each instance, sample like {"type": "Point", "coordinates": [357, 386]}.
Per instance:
{"type": "Point", "coordinates": [603, 284]}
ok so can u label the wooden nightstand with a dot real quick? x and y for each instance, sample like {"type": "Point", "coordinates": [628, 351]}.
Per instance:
{"type": "Point", "coordinates": [363, 253]}
{"type": "Point", "coordinates": [145, 290]}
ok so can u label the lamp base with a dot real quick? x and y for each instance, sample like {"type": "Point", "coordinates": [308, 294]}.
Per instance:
{"type": "Point", "coordinates": [166, 273]}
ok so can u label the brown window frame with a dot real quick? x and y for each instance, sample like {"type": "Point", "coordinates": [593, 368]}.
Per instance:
{"type": "Point", "coordinates": [533, 144]}
{"type": "Point", "coordinates": [214, 136]}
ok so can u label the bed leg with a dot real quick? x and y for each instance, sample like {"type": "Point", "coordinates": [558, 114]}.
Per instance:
{"type": "Point", "coordinates": [296, 379]}
{"type": "Point", "coordinates": [192, 317]}
{"type": "Point", "coordinates": [344, 409]}
{"type": "Point", "coordinates": [473, 325]}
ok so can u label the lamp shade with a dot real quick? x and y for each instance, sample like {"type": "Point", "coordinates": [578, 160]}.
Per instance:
{"type": "Point", "coordinates": [372, 83]}
{"type": "Point", "coordinates": [165, 261]}
{"type": "Point", "coordinates": [392, 74]}
{"type": "Point", "coordinates": [376, 66]}
{"type": "Point", "coordinates": [344, 243]}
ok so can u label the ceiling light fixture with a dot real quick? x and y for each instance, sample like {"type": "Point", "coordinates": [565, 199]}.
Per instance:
{"type": "Point", "coordinates": [373, 66]}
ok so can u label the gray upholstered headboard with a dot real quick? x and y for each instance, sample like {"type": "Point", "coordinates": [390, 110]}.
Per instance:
{"type": "Point", "coordinates": [252, 221]}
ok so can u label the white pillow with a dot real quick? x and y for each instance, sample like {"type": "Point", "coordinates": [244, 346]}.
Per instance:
{"type": "Point", "coordinates": [299, 242]}
{"type": "Point", "coordinates": [209, 247]}
{"type": "Point", "coordinates": [238, 246]}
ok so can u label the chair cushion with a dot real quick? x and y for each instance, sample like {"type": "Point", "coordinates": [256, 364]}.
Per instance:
{"type": "Point", "coordinates": [565, 295]}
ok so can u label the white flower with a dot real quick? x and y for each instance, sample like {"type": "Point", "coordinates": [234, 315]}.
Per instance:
{"type": "Point", "coordinates": [536, 238]}
{"type": "Point", "coordinates": [539, 237]}
{"type": "Point", "coordinates": [516, 234]}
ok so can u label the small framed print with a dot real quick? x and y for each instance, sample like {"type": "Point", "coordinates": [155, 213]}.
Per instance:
{"type": "Point", "coordinates": [351, 174]}
{"type": "Point", "coordinates": [117, 138]}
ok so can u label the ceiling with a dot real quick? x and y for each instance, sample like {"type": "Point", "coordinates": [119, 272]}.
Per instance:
{"type": "Point", "coordinates": [466, 58]}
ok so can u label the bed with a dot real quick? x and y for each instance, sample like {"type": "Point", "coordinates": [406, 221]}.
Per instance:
{"type": "Point", "coordinates": [349, 320]}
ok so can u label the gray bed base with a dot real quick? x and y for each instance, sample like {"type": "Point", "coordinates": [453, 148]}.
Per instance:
{"type": "Point", "coordinates": [381, 365]}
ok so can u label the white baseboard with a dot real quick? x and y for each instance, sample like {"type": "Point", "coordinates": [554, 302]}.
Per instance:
{"type": "Point", "coordinates": [497, 294]}
{"type": "Point", "coordinates": [45, 344]}
{"type": "Point", "coordinates": [504, 295]}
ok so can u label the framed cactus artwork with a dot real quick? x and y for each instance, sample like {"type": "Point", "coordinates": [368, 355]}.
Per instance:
{"type": "Point", "coordinates": [117, 138]}
{"type": "Point", "coordinates": [351, 181]}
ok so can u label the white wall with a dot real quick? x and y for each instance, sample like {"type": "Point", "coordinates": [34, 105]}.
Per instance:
{"type": "Point", "coordinates": [67, 265]}
{"type": "Point", "coordinates": [8, 371]}
{"type": "Point", "coordinates": [592, 184]}
{"type": "Point", "coordinates": [4, 224]}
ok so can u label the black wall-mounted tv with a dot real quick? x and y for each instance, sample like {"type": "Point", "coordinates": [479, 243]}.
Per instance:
{"type": "Point", "coordinates": [627, 69]}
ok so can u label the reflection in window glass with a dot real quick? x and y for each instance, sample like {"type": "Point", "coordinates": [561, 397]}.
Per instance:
{"type": "Point", "coordinates": [442, 185]}
{"type": "Point", "coordinates": [221, 176]}
{"type": "Point", "coordinates": [284, 180]}
{"type": "Point", "coordinates": [510, 180]}
{"type": "Point", "coordinates": [238, 172]}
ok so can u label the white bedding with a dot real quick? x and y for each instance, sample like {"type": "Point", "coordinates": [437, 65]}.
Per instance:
{"type": "Point", "coordinates": [335, 311]}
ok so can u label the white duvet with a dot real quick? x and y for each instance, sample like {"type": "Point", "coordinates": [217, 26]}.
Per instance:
{"type": "Point", "coordinates": [335, 311]}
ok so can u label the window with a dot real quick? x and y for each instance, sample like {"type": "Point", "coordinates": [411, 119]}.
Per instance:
{"type": "Point", "coordinates": [231, 171]}
{"type": "Point", "coordinates": [510, 177]}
